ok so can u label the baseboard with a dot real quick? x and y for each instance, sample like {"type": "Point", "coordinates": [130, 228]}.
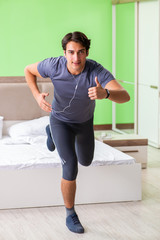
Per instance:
{"type": "Point", "coordinates": [103, 127]}
{"type": "Point", "coordinates": [125, 126]}
{"type": "Point", "coordinates": [109, 126]}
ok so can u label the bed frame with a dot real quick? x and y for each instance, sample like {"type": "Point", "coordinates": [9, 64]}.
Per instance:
{"type": "Point", "coordinates": [41, 186]}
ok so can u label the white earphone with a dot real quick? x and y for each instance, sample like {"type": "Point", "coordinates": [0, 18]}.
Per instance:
{"type": "Point", "coordinates": [74, 94]}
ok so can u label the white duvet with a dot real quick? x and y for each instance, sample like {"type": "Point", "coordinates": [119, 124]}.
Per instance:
{"type": "Point", "coordinates": [33, 153]}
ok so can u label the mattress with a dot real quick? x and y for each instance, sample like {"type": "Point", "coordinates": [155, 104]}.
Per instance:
{"type": "Point", "coordinates": [34, 154]}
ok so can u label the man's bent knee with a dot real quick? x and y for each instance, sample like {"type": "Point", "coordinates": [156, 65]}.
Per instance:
{"type": "Point", "coordinates": [85, 162]}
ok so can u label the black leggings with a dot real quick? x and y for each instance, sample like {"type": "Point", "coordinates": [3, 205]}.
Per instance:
{"type": "Point", "coordinates": [74, 143]}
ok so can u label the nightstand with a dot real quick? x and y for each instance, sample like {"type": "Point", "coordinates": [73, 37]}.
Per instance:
{"type": "Point", "coordinates": [130, 144]}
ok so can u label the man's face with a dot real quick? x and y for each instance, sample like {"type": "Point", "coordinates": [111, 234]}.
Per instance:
{"type": "Point", "coordinates": [76, 55]}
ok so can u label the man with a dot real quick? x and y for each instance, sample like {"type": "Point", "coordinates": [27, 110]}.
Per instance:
{"type": "Point", "coordinates": [77, 83]}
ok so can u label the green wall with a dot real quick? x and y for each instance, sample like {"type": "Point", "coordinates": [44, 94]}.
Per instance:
{"type": "Point", "coordinates": [125, 55]}
{"type": "Point", "coordinates": [32, 30]}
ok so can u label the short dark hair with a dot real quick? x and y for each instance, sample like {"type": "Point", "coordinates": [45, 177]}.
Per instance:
{"type": "Point", "coordinates": [76, 37]}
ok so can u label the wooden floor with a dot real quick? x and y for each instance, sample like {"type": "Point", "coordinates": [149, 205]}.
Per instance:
{"type": "Point", "coordinates": [116, 221]}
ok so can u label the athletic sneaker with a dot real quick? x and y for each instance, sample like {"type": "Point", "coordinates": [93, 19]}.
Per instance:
{"type": "Point", "coordinates": [73, 224]}
{"type": "Point", "coordinates": [50, 143]}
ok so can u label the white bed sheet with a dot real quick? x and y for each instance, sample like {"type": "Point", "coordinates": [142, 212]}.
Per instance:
{"type": "Point", "coordinates": [35, 154]}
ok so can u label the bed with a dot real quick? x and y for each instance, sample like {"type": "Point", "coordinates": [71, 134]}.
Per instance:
{"type": "Point", "coordinates": [30, 175]}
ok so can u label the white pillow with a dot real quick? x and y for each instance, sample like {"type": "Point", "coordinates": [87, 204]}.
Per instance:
{"type": "Point", "coordinates": [29, 128]}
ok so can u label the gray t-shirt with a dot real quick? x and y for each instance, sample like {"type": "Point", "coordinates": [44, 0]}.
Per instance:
{"type": "Point", "coordinates": [71, 102]}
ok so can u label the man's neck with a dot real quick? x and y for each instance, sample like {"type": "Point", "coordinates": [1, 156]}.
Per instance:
{"type": "Point", "coordinates": [75, 72]}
